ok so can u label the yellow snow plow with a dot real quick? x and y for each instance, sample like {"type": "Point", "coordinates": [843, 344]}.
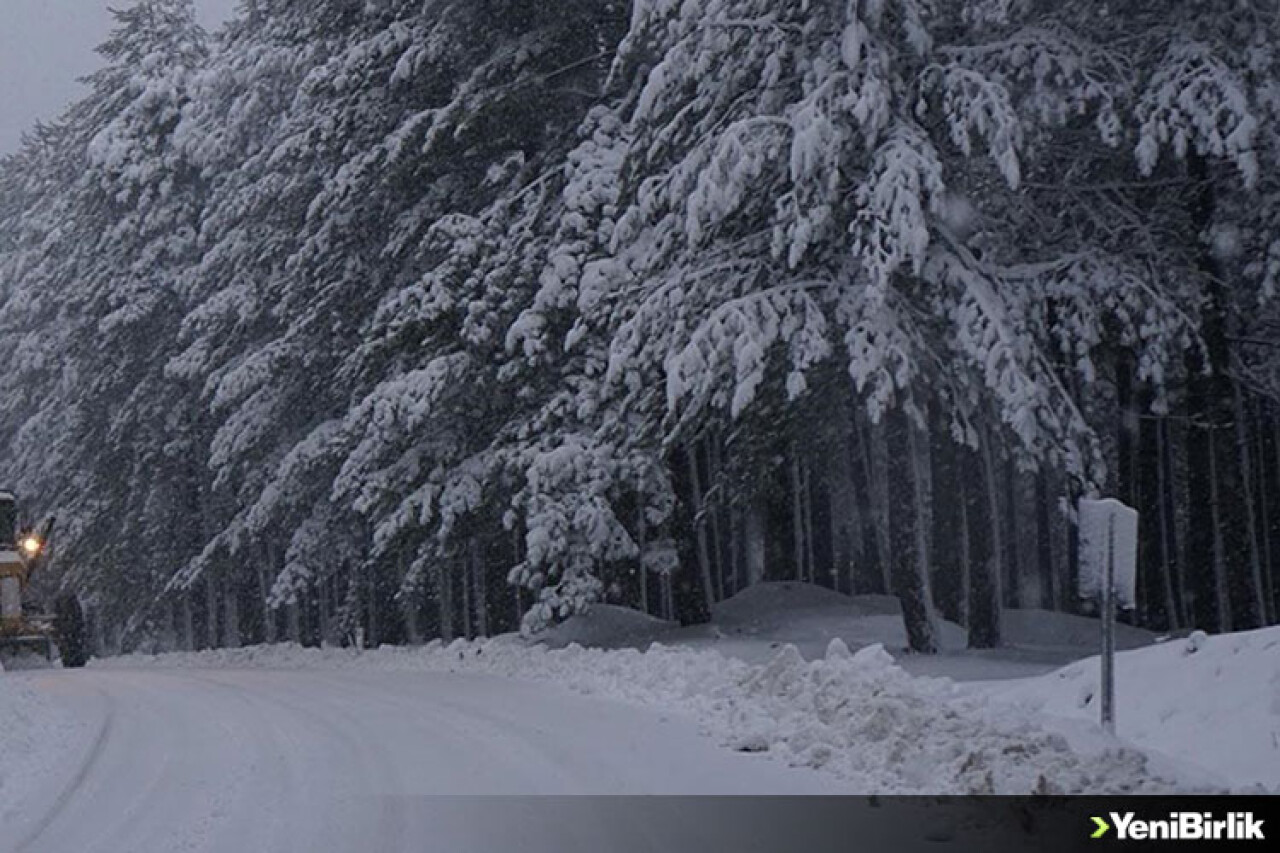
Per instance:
{"type": "Point", "coordinates": [27, 637]}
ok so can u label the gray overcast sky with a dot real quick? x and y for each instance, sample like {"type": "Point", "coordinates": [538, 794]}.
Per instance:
{"type": "Point", "coordinates": [45, 45]}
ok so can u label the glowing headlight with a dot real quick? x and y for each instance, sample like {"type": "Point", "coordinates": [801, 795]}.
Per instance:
{"type": "Point", "coordinates": [31, 546]}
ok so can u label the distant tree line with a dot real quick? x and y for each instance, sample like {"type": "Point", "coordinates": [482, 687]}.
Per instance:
{"type": "Point", "coordinates": [373, 321]}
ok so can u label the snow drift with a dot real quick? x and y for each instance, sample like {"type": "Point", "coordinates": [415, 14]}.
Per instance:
{"type": "Point", "coordinates": [1211, 700]}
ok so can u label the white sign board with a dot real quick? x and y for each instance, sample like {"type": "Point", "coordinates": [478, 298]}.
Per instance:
{"type": "Point", "coordinates": [1109, 528]}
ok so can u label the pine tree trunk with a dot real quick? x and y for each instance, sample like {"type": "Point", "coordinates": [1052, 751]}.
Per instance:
{"type": "Point", "coordinates": [1013, 589]}
{"type": "Point", "coordinates": [293, 620]}
{"type": "Point", "coordinates": [806, 505]}
{"type": "Point", "coordinates": [1044, 543]}
{"type": "Point", "coordinates": [211, 610]}
{"type": "Point", "coordinates": [481, 596]}
{"type": "Point", "coordinates": [231, 608]}
{"type": "Point", "coordinates": [1222, 593]}
{"type": "Point", "coordinates": [966, 552]}
{"type": "Point", "coordinates": [668, 597]}
{"type": "Point", "coordinates": [444, 601]}
{"type": "Point", "coordinates": [468, 620]}
{"type": "Point", "coordinates": [1258, 605]}
{"type": "Point", "coordinates": [988, 568]}
{"type": "Point", "coordinates": [188, 625]}
{"type": "Point", "coordinates": [1175, 474]}
{"type": "Point", "coordinates": [909, 556]}
{"type": "Point", "coordinates": [877, 476]}
{"type": "Point", "coordinates": [642, 536]}
{"type": "Point", "coordinates": [373, 613]}
{"type": "Point", "coordinates": [713, 509]}
{"type": "Point", "coordinates": [797, 515]}
{"type": "Point", "coordinates": [412, 623]}
{"type": "Point", "coordinates": [700, 529]}
{"type": "Point", "coordinates": [1164, 513]}
{"type": "Point", "coordinates": [754, 542]}
{"type": "Point", "coordinates": [264, 590]}
{"type": "Point", "coordinates": [844, 518]}
{"type": "Point", "coordinates": [1264, 510]}
{"type": "Point", "coordinates": [326, 591]}
{"type": "Point", "coordinates": [856, 514]}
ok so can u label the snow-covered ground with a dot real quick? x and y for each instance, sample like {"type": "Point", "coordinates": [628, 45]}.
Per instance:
{"type": "Point", "coordinates": [192, 751]}
{"type": "Point", "coordinates": [1212, 701]}
{"type": "Point", "coordinates": [855, 717]}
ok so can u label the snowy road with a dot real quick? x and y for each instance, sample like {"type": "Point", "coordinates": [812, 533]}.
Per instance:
{"type": "Point", "coordinates": [344, 761]}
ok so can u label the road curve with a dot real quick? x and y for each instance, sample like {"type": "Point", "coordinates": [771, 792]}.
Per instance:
{"type": "Point", "coordinates": [239, 761]}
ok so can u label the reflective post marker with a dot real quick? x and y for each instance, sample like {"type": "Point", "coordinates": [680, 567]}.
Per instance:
{"type": "Point", "coordinates": [1108, 574]}
{"type": "Point", "coordinates": [1109, 631]}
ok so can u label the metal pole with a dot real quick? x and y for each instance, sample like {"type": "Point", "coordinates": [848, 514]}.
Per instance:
{"type": "Point", "coordinates": [1109, 631]}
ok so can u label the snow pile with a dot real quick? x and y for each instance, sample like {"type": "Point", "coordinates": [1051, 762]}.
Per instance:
{"type": "Point", "coordinates": [608, 626]}
{"type": "Point", "coordinates": [857, 716]}
{"type": "Point", "coordinates": [1213, 701]}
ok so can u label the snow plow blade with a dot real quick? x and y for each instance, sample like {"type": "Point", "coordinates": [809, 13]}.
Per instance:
{"type": "Point", "coordinates": [29, 651]}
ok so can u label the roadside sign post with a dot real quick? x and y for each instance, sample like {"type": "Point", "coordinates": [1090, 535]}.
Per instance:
{"type": "Point", "coordinates": [1108, 574]}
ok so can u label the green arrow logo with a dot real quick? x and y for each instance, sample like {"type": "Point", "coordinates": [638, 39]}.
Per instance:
{"type": "Point", "coordinates": [1102, 829]}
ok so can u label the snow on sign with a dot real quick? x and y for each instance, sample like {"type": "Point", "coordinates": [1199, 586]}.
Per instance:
{"type": "Point", "coordinates": [1106, 525]}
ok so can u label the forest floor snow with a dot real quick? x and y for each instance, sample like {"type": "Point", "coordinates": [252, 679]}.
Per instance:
{"type": "Point", "coordinates": [753, 625]}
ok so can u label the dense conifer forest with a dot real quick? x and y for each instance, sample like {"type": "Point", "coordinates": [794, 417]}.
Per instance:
{"type": "Point", "coordinates": [373, 321]}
